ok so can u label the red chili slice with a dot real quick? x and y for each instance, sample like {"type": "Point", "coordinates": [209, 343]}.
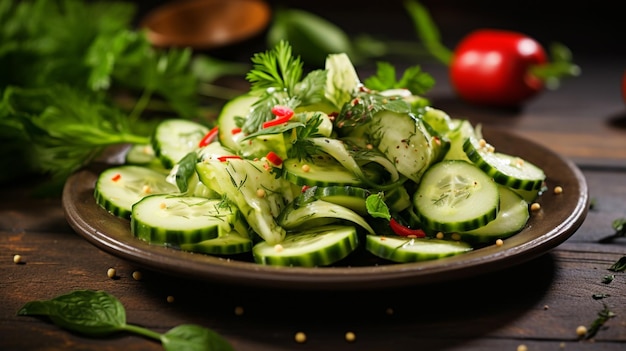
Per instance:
{"type": "Point", "coordinates": [401, 230]}
{"type": "Point", "coordinates": [283, 115]}
{"type": "Point", "coordinates": [274, 158]}
{"type": "Point", "coordinates": [209, 137]}
{"type": "Point", "coordinates": [228, 157]}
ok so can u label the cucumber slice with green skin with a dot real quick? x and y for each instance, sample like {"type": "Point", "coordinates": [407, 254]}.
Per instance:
{"type": "Point", "coordinates": [456, 195]}
{"type": "Point", "coordinates": [296, 217]}
{"type": "Point", "coordinates": [321, 246]}
{"type": "Point", "coordinates": [173, 139]}
{"type": "Point", "coordinates": [320, 171]}
{"type": "Point", "coordinates": [176, 220]}
{"type": "Point", "coordinates": [403, 249]}
{"type": "Point", "coordinates": [231, 243]}
{"type": "Point", "coordinates": [118, 188]}
{"type": "Point", "coordinates": [348, 196]}
{"type": "Point", "coordinates": [239, 106]}
{"type": "Point", "coordinates": [505, 169]}
{"type": "Point", "coordinates": [512, 217]}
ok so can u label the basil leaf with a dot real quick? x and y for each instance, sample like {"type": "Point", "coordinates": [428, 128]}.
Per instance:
{"type": "Point", "coordinates": [192, 337]}
{"type": "Point", "coordinates": [85, 311]}
{"type": "Point", "coordinates": [376, 206]}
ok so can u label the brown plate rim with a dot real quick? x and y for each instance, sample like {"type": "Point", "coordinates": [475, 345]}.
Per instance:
{"type": "Point", "coordinates": [559, 217]}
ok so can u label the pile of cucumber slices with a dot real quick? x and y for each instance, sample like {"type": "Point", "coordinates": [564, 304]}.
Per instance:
{"type": "Point", "coordinates": [291, 177]}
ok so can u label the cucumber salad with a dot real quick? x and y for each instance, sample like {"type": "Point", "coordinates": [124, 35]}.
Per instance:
{"type": "Point", "coordinates": [308, 169]}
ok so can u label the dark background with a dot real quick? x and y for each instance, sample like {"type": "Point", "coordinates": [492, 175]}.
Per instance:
{"type": "Point", "coordinates": [586, 27]}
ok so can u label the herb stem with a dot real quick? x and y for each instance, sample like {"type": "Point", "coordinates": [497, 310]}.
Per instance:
{"type": "Point", "coordinates": [142, 331]}
{"type": "Point", "coordinates": [140, 106]}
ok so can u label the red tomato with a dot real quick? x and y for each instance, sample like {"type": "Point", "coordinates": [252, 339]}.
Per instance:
{"type": "Point", "coordinates": [491, 67]}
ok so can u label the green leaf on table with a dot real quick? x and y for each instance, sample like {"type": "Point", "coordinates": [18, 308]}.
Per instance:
{"type": "Point", "coordinates": [84, 311]}
{"type": "Point", "coordinates": [190, 337]}
{"type": "Point", "coordinates": [619, 266]}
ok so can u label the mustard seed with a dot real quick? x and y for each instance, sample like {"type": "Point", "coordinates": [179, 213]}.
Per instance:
{"type": "Point", "coordinates": [300, 337]}
{"type": "Point", "coordinates": [111, 273]}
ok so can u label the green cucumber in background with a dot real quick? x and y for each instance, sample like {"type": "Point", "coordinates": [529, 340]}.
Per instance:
{"type": "Point", "coordinates": [311, 37]}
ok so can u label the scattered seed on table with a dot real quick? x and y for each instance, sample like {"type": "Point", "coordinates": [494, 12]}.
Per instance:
{"type": "Point", "coordinates": [558, 189]}
{"type": "Point", "coordinates": [499, 242]}
{"type": "Point", "coordinates": [111, 273]}
{"type": "Point", "coordinates": [170, 298]}
{"type": "Point", "coordinates": [535, 206]}
{"type": "Point", "coordinates": [17, 259]}
{"type": "Point", "coordinates": [581, 330]}
{"type": "Point", "coordinates": [522, 347]}
{"type": "Point", "coordinates": [300, 337]}
{"type": "Point", "coordinates": [350, 336]}
{"type": "Point", "coordinates": [137, 275]}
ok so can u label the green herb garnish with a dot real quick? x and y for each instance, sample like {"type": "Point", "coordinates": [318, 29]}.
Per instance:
{"type": "Point", "coordinates": [97, 313]}
{"type": "Point", "coordinates": [603, 316]}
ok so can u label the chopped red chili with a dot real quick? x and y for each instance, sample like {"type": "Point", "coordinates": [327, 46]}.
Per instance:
{"type": "Point", "coordinates": [402, 230]}
{"type": "Point", "coordinates": [228, 157]}
{"type": "Point", "coordinates": [283, 115]}
{"type": "Point", "coordinates": [209, 137]}
{"type": "Point", "coordinates": [274, 158]}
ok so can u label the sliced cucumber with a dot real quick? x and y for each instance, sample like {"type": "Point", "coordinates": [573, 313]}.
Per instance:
{"type": "Point", "coordinates": [321, 246]}
{"type": "Point", "coordinates": [175, 220]}
{"type": "Point", "coordinates": [463, 129]}
{"type": "Point", "coordinates": [404, 249]}
{"type": "Point", "coordinates": [231, 243]}
{"type": "Point", "coordinates": [238, 107]}
{"type": "Point", "coordinates": [505, 169]}
{"type": "Point", "coordinates": [455, 195]}
{"type": "Point", "coordinates": [512, 218]}
{"type": "Point", "coordinates": [118, 188]}
{"type": "Point", "coordinates": [348, 196]}
{"type": "Point", "coordinates": [320, 171]}
{"type": "Point", "coordinates": [407, 140]}
{"type": "Point", "coordinates": [297, 217]}
{"type": "Point", "coordinates": [175, 138]}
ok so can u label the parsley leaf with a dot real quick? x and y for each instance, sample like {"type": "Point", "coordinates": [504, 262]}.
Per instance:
{"type": "Point", "coordinates": [414, 79]}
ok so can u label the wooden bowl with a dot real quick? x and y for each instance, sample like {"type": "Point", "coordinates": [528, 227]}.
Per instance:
{"type": "Point", "coordinates": [205, 24]}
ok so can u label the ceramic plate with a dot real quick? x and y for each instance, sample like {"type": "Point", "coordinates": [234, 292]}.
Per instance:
{"type": "Point", "coordinates": [559, 217]}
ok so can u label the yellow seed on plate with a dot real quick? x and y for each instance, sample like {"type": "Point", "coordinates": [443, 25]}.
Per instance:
{"type": "Point", "coordinates": [306, 168]}
{"type": "Point", "coordinates": [581, 330]}
{"type": "Point", "coordinates": [535, 206]}
{"type": "Point", "coordinates": [278, 248]}
{"type": "Point", "coordinates": [111, 273]}
{"type": "Point", "coordinates": [17, 259]}
{"type": "Point", "coordinates": [439, 235]}
{"type": "Point", "coordinates": [522, 347]}
{"type": "Point", "coordinates": [499, 242]}
{"type": "Point", "coordinates": [146, 189]}
{"type": "Point", "coordinates": [137, 275]}
{"type": "Point", "coordinates": [350, 337]}
{"type": "Point", "coordinates": [300, 337]}
{"type": "Point", "coordinates": [558, 190]}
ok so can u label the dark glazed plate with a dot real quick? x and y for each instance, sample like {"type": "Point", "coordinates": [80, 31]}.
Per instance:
{"type": "Point", "coordinates": [559, 217]}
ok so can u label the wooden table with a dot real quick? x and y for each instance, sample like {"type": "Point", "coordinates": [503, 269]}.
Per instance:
{"type": "Point", "coordinates": [539, 304]}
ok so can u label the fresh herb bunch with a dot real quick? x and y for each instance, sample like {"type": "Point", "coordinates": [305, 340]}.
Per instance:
{"type": "Point", "coordinates": [98, 313]}
{"type": "Point", "coordinates": [64, 66]}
